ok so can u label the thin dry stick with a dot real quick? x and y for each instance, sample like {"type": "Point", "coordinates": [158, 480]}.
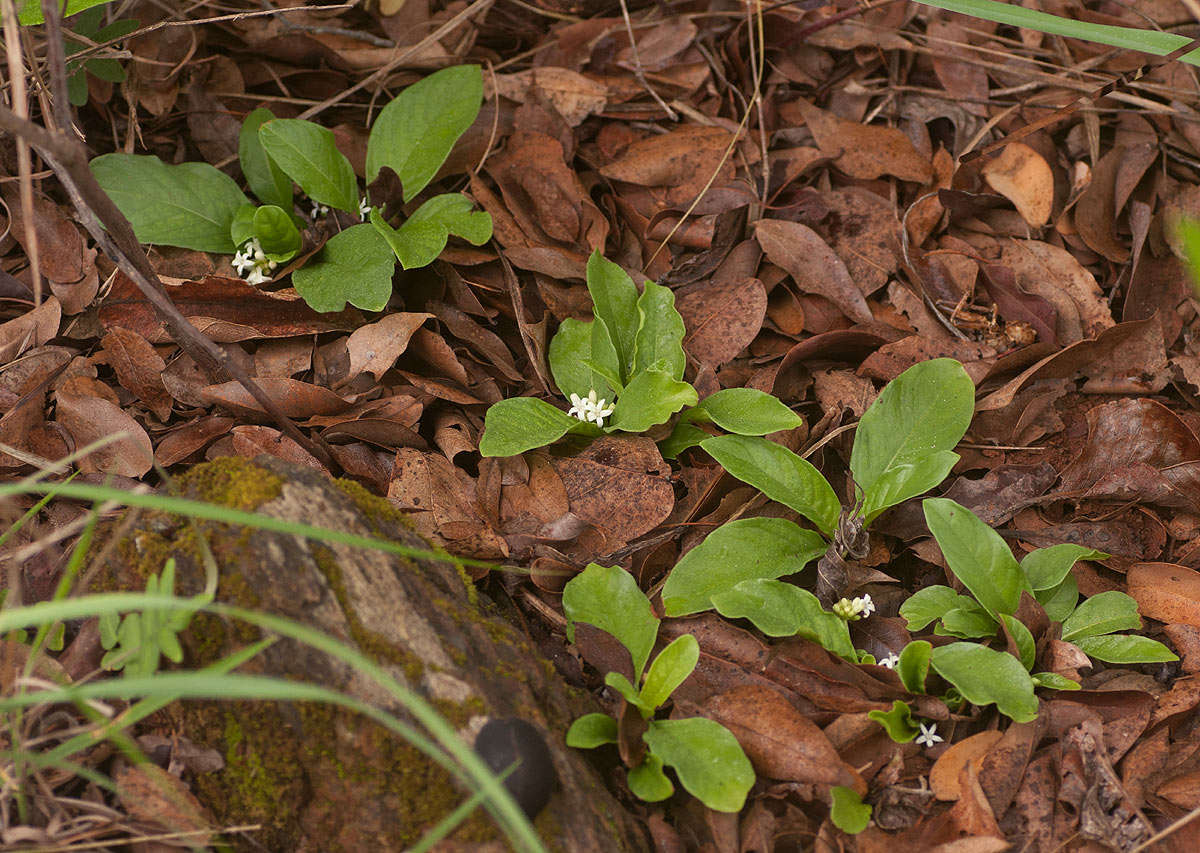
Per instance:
{"type": "Point", "coordinates": [637, 65]}
{"type": "Point", "coordinates": [16, 73]}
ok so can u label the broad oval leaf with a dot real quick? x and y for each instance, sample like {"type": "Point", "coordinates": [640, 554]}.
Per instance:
{"type": "Point", "coordinates": [780, 475]}
{"type": "Point", "coordinates": [739, 550]}
{"type": "Point", "coordinates": [748, 411]}
{"type": "Point", "coordinates": [977, 555]}
{"type": "Point", "coordinates": [583, 359]}
{"type": "Point", "coordinates": [422, 237]}
{"type": "Point", "coordinates": [967, 620]}
{"type": "Point", "coordinates": [928, 605]}
{"type": "Point", "coordinates": [614, 300]}
{"type": "Point", "coordinates": [1103, 613]}
{"type": "Point", "coordinates": [648, 782]}
{"type": "Point", "coordinates": [925, 409]}
{"type": "Point", "coordinates": [659, 340]}
{"type": "Point", "coordinates": [310, 157]}
{"type": "Point", "coordinates": [707, 758]}
{"type": "Point", "coordinates": [276, 233]}
{"type": "Point", "coordinates": [1125, 648]}
{"type": "Point", "coordinates": [415, 133]}
{"type": "Point", "coordinates": [191, 205]}
{"type": "Point", "coordinates": [608, 598]}
{"type": "Point", "coordinates": [670, 668]}
{"type": "Point", "coordinates": [984, 676]}
{"type": "Point", "coordinates": [591, 731]}
{"type": "Point", "coordinates": [1026, 649]}
{"type": "Point", "coordinates": [913, 665]}
{"type": "Point", "coordinates": [355, 266]}
{"type": "Point", "coordinates": [901, 482]}
{"type": "Point", "coordinates": [1059, 603]}
{"type": "Point", "coordinates": [649, 399]}
{"type": "Point", "coordinates": [518, 424]}
{"type": "Point", "coordinates": [1046, 568]}
{"type": "Point", "coordinates": [266, 179]}
{"type": "Point", "coordinates": [848, 812]}
{"type": "Point", "coordinates": [780, 609]}
{"type": "Point", "coordinates": [1054, 681]}
{"type": "Point", "coordinates": [683, 436]}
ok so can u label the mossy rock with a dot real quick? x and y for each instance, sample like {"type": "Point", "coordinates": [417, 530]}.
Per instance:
{"type": "Point", "coordinates": [318, 778]}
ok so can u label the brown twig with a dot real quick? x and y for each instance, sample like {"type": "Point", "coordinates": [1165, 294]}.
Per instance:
{"type": "Point", "coordinates": [16, 71]}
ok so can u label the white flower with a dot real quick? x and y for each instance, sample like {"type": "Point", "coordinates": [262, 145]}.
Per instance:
{"type": "Point", "coordinates": [319, 210]}
{"type": "Point", "coordinates": [853, 610]}
{"type": "Point", "coordinates": [590, 409]}
{"type": "Point", "coordinates": [251, 262]}
{"type": "Point", "coordinates": [890, 661]}
{"type": "Point", "coordinates": [928, 736]}
{"type": "Point", "coordinates": [864, 606]}
{"type": "Point", "coordinates": [364, 208]}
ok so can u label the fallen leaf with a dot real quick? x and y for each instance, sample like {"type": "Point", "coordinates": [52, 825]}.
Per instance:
{"type": "Point", "coordinates": [861, 150]}
{"type": "Point", "coordinates": [375, 347]}
{"type": "Point", "coordinates": [295, 399]}
{"type": "Point", "coordinates": [31, 329]}
{"type": "Point", "coordinates": [1023, 176]}
{"type": "Point", "coordinates": [574, 96]}
{"type": "Point", "coordinates": [721, 318]}
{"type": "Point", "coordinates": [946, 771]}
{"type": "Point", "coordinates": [139, 369]}
{"type": "Point", "coordinates": [90, 419]}
{"type": "Point", "coordinates": [812, 264]}
{"type": "Point", "coordinates": [1166, 592]}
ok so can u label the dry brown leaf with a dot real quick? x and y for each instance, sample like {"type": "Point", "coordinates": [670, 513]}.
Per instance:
{"type": "Point", "coordinates": [1166, 592]}
{"type": "Point", "coordinates": [31, 329]}
{"type": "Point", "coordinates": [861, 150]}
{"type": "Point", "coordinates": [252, 439]}
{"type": "Point", "coordinates": [90, 419]}
{"type": "Point", "coordinates": [1023, 176]}
{"type": "Point", "coordinates": [1096, 213]}
{"type": "Point", "coordinates": [139, 369]}
{"type": "Point", "coordinates": [574, 96]}
{"type": "Point", "coordinates": [947, 770]}
{"type": "Point", "coordinates": [721, 318]}
{"type": "Point", "coordinates": [152, 795]}
{"type": "Point", "coordinates": [295, 399]}
{"type": "Point", "coordinates": [812, 264]}
{"type": "Point", "coordinates": [375, 347]}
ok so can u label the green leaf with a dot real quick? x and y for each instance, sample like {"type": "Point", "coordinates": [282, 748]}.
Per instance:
{"type": "Point", "coordinates": [276, 233]}
{"type": "Point", "coordinates": [650, 398]}
{"type": "Point", "coordinates": [615, 301]}
{"type": "Point", "coordinates": [1188, 234]}
{"type": "Point", "coordinates": [1046, 568]}
{"type": "Point", "coordinates": [648, 782]}
{"type": "Point", "coordinates": [1125, 648]}
{"type": "Point", "coordinates": [928, 605]}
{"type": "Point", "coordinates": [191, 205]}
{"type": "Point", "coordinates": [591, 731]}
{"type": "Point", "coordinates": [518, 424]}
{"type": "Point", "coordinates": [658, 344]}
{"type": "Point", "coordinates": [913, 666]}
{"type": "Point", "coordinates": [574, 348]}
{"type": "Point", "coordinates": [984, 676]}
{"type": "Point", "coordinates": [242, 227]}
{"type": "Point", "coordinates": [780, 609]}
{"type": "Point", "coordinates": [608, 598]}
{"type": "Point", "coordinates": [925, 409]}
{"type": "Point", "coordinates": [622, 685]}
{"type": "Point", "coordinates": [1059, 603]}
{"type": "Point", "coordinates": [31, 10]}
{"type": "Point", "coordinates": [747, 411]}
{"type": "Point", "coordinates": [1026, 648]}
{"type": "Point", "coordinates": [968, 620]}
{"type": "Point", "coordinates": [737, 551]}
{"type": "Point", "coordinates": [706, 757]}
{"type": "Point", "coordinates": [355, 266]}
{"type": "Point", "coordinates": [415, 133]}
{"type": "Point", "coordinates": [670, 668]}
{"type": "Point", "coordinates": [780, 475]}
{"type": "Point", "coordinates": [901, 482]}
{"type": "Point", "coordinates": [1101, 614]}
{"type": "Point", "coordinates": [418, 242]}
{"type": "Point", "coordinates": [977, 555]}
{"type": "Point", "coordinates": [683, 436]}
{"type": "Point", "coordinates": [848, 812]}
{"type": "Point", "coordinates": [1054, 681]}
{"type": "Point", "coordinates": [266, 180]}
{"type": "Point", "coordinates": [898, 722]}
{"type": "Point", "coordinates": [310, 157]}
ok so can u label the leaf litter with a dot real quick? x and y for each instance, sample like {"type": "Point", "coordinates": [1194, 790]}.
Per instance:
{"type": "Point", "coordinates": [829, 243]}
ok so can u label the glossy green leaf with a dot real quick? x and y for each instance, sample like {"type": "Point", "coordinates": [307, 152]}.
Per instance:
{"type": "Point", "coordinates": [582, 358]}
{"type": "Point", "coordinates": [1054, 681]}
{"type": "Point", "coordinates": [706, 757]}
{"type": "Point", "coordinates": [984, 676]}
{"type": "Point", "coordinates": [1188, 233]}
{"type": "Point", "coordinates": [659, 339]}
{"type": "Point", "coordinates": [276, 233]}
{"type": "Point", "coordinates": [30, 11]}
{"type": "Point", "coordinates": [591, 731]}
{"type": "Point", "coordinates": [1125, 648]}
{"type": "Point", "coordinates": [1026, 648]}
{"type": "Point", "coordinates": [1101, 614]}
{"type": "Point", "coordinates": [780, 475]}
{"type": "Point", "coordinates": [1059, 603]}
{"type": "Point", "coordinates": [355, 266]}
{"type": "Point", "coordinates": [422, 237]}
{"type": "Point", "coordinates": [977, 555]}
{"type": "Point", "coordinates": [780, 609]}
{"type": "Point", "coordinates": [928, 605]}
{"type": "Point", "coordinates": [683, 436]}
{"type": "Point", "coordinates": [902, 482]}
{"type": "Point", "coordinates": [242, 227]}
{"type": "Point", "coordinates": [518, 424]}
{"type": "Point", "coordinates": [747, 411]}
{"type": "Point", "coordinates": [913, 666]}
{"type": "Point", "coordinates": [622, 685]}
{"type": "Point", "coordinates": [650, 398]}
{"type": "Point", "coordinates": [266, 180]}
{"type": "Point", "coordinates": [191, 205]}
{"type": "Point", "coordinates": [1046, 568]}
{"type": "Point", "coordinates": [615, 301]}
{"type": "Point", "coordinates": [648, 782]}
{"type": "Point", "coordinates": [848, 812]}
{"type": "Point", "coordinates": [415, 133]}
{"type": "Point", "coordinates": [307, 153]}
{"type": "Point", "coordinates": [898, 722]}
{"type": "Point", "coordinates": [925, 409]}
{"type": "Point", "coordinates": [739, 550]}
{"type": "Point", "coordinates": [670, 668]}
{"type": "Point", "coordinates": [608, 598]}
{"type": "Point", "coordinates": [967, 620]}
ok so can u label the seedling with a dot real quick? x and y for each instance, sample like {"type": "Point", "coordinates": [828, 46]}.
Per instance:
{"type": "Point", "coordinates": [705, 755]}
{"type": "Point", "coordinates": [195, 206]}
{"type": "Point", "coordinates": [627, 362]}
{"type": "Point", "coordinates": [903, 447]}
{"type": "Point", "coordinates": [87, 24]}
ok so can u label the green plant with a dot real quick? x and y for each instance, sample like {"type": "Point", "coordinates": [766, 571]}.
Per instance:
{"type": "Point", "coordinates": [196, 206]}
{"type": "Point", "coordinates": [87, 24]}
{"type": "Point", "coordinates": [704, 754]}
{"type": "Point", "coordinates": [998, 585]}
{"type": "Point", "coordinates": [630, 353]}
{"type": "Point", "coordinates": [847, 811]}
{"type": "Point", "coordinates": [30, 11]}
{"type": "Point", "coordinates": [903, 447]}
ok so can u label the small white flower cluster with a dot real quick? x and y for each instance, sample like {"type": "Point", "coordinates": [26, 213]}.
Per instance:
{"type": "Point", "coordinates": [890, 661]}
{"type": "Point", "coordinates": [364, 208]}
{"type": "Point", "coordinates": [928, 736]}
{"type": "Point", "coordinates": [853, 610]}
{"type": "Point", "coordinates": [252, 263]}
{"type": "Point", "coordinates": [590, 409]}
{"type": "Point", "coordinates": [319, 210]}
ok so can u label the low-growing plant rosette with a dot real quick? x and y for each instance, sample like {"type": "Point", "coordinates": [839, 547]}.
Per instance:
{"type": "Point", "coordinates": [622, 371]}
{"type": "Point", "coordinates": [704, 755]}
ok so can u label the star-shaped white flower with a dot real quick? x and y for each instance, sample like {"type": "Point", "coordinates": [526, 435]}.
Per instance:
{"type": "Point", "coordinates": [319, 210]}
{"type": "Point", "coordinates": [252, 264]}
{"type": "Point", "coordinates": [890, 661]}
{"type": "Point", "coordinates": [364, 208]}
{"type": "Point", "coordinates": [864, 606]}
{"type": "Point", "coordinates": [590, 409]}
{"type": "Point", "coordinates": [928, 736]}
{"type": "Point", "coordinates": [853, 610]}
